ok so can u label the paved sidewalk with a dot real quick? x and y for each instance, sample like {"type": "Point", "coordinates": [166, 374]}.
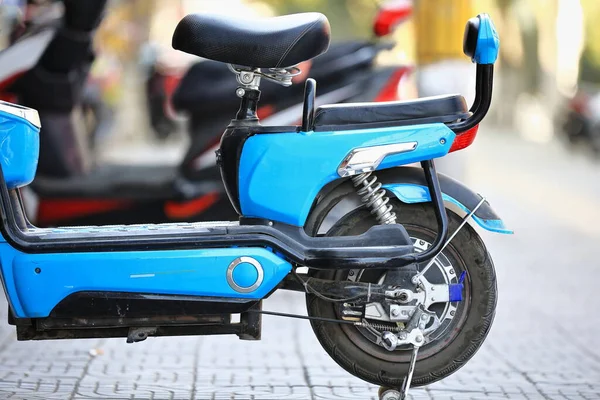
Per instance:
{"type": "Point", "coordinates": [543, 345]}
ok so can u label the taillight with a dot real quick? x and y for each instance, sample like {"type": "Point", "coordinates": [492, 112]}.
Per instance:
{"type": "Point", "coordinates": [464, 139]}
{"type": "Point", "coordinates": [389, 92]}
{"type": "Point", "coordinates": [171, 82]}
{"type": "Point", "coordinates": [579, 104]}
{"type": "Point", "coordinates": [390, 15]}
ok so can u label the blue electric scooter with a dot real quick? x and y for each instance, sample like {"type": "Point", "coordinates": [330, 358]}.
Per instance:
{"type": "Point", "coordinates": [394, 275]}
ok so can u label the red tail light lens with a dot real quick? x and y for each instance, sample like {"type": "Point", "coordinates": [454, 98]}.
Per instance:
{"type": "Point", "coordinates": [390, 91]}
{"type": "Point", "coordinates": [464, 139]}
{"type": "Point", "coordinates": [390, 15]}
{"type": "Point", "coordinates": [579, 104]}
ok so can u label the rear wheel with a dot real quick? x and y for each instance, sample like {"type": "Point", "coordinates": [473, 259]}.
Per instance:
{"type": "Point", "coordinates": [464, 325]}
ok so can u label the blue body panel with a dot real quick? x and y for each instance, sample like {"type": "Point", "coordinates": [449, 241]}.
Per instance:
{"type": "Point", "coordinates": [488, 42]}
{"type": "Point", "coordinates": [411, 193]}
{"type": "Point", "coordinates": [19, 150]}
{"type": "Point", "coordinates": [175, 272]}
{"type": "Point", "coordinates": [281, 174]}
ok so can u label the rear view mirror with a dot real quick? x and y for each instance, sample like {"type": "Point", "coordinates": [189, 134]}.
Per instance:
{"type": "Point", "coordinates": [481, 42]}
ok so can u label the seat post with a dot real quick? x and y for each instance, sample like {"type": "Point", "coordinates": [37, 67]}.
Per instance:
{"type": "Point", "coordinates": [248, 91]}
{"type": "Point", "coordinates": [248, 105]}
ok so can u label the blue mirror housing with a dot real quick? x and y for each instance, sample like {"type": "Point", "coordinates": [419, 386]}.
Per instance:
{"type": "Point", "coordinates": [488, 42]}
{"type": "Point", "coordinates": [19, 144]}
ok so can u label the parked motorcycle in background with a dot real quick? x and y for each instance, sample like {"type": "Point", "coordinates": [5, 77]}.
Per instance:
{"type": "Point", "coordinates": [34, 22]}
{"type": "Point", "coordinates": [348, 71]}
{"type": "Point", "coordinates": [67, 194]}
{"type": "Point", "coordinates": [579, 120]}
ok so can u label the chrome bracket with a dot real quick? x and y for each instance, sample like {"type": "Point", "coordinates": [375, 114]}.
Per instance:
{"type": "Point", "coordinates": [367, 159]}
{"type": "Point", "coordinates": [249, 78]}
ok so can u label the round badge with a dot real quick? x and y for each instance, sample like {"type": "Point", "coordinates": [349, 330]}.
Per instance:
{"type": "Point", "coordinates": [245, 274]}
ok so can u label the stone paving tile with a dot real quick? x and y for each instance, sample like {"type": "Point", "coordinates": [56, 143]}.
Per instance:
{"type": "Point", "coordinates": [277, 368]}
{"type": "Point", "coordinates": [295, 368]}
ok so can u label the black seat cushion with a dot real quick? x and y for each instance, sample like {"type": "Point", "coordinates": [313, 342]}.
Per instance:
{"type": "Point", "coordinates": [391, 113]}
{"type": "Point", "coordinates": [263, 43]}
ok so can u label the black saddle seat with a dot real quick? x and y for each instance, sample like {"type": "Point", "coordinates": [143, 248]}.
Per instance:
{"type": "Point", "coordinates": [392, 113]}
{"type": "Point", "coordinates": [263, 43]}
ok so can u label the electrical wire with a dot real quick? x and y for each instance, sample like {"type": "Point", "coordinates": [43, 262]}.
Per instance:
{"type": "Point", "coordinates": [311, 290]}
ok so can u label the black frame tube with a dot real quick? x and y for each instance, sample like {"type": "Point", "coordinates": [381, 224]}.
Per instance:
{"type": "Point", "coordinates": [440, 212]}
{"type": "Point", "coordinates": [296, 246]}
{"type": "Point", "coordinates": [477, 101]}
{"type": "Point", "coordinates": [248, 105]}
{"type": "Point", "coordinates": [308, 112]}
{"type": "Point", "coordinates": [483, 99]}
{"type": "Point", "coordinates": [298, 249]}
{"type": "Point", "coordinates": [440, 215]}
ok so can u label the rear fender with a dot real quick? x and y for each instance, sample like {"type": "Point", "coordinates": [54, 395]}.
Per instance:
{"type": "Point", "coordinates": [409, 186]}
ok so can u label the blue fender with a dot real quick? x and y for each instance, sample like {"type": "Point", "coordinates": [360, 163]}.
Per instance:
{"type": "Point", "coordinates": [409, 186]}
{"type": "Point", "coordinates": [411, 193]}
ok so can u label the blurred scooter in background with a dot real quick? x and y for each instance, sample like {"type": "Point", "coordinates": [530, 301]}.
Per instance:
{"type": "Point", "coordinates": [191, 191]}
{"type": "Point", "coordinates": [347, 72]}
{"type": "Point", "coordinates": [38, 32]}
{"type": "Point", "coordinates": [579, 120]}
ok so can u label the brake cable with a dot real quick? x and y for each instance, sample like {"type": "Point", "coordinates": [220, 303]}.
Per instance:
{"type": "Point", "coordinates": [311, 290]}
{"type": "Point", "coordinates": [329, 320]}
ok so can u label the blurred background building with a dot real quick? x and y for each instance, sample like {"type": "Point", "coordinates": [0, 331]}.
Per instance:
{"type": "Point", "coordinates": [549, 66]}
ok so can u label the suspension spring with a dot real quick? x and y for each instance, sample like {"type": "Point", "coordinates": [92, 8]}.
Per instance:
{"type": "Point", "coordinates": [378, 327]}
{"type": "Point", "coordinates": [374, 197]}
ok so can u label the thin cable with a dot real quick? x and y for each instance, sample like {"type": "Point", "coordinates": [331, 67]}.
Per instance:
{"type": "Point", "coordinates": [330, 320]}
{"type": "Point", "coordinates": [311, 290]}
{"type": "Point", "coordinates": [463, 223]}
{"type": "Point", "coordinates": [322, 319]}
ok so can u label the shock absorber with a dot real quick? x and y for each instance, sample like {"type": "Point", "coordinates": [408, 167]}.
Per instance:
{"type": "Point", "coordinates": [374, 197]}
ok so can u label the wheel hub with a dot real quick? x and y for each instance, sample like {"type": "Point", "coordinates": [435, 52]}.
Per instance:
{"type": "Point", "coordinates": [433, 298]}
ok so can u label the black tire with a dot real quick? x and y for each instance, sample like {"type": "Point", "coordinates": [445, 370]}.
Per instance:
{"type": "Point", "coordinates": [474, 319]}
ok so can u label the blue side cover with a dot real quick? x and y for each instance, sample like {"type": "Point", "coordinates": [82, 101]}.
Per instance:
{"type": "Point", "coordinates": [281, 174]}
{"type": "Point", "coordinates": [488, 42]}
{"type": "Point", "coordinates": [19, 150]}
{"type": "Point", "coordinates": [410, 193]}
{"type": "Point", "coordinates": [36, 283]}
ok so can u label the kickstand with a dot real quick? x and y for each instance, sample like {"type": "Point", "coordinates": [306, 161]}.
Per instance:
{"type": "Point", "coordinates": [394, 394]}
